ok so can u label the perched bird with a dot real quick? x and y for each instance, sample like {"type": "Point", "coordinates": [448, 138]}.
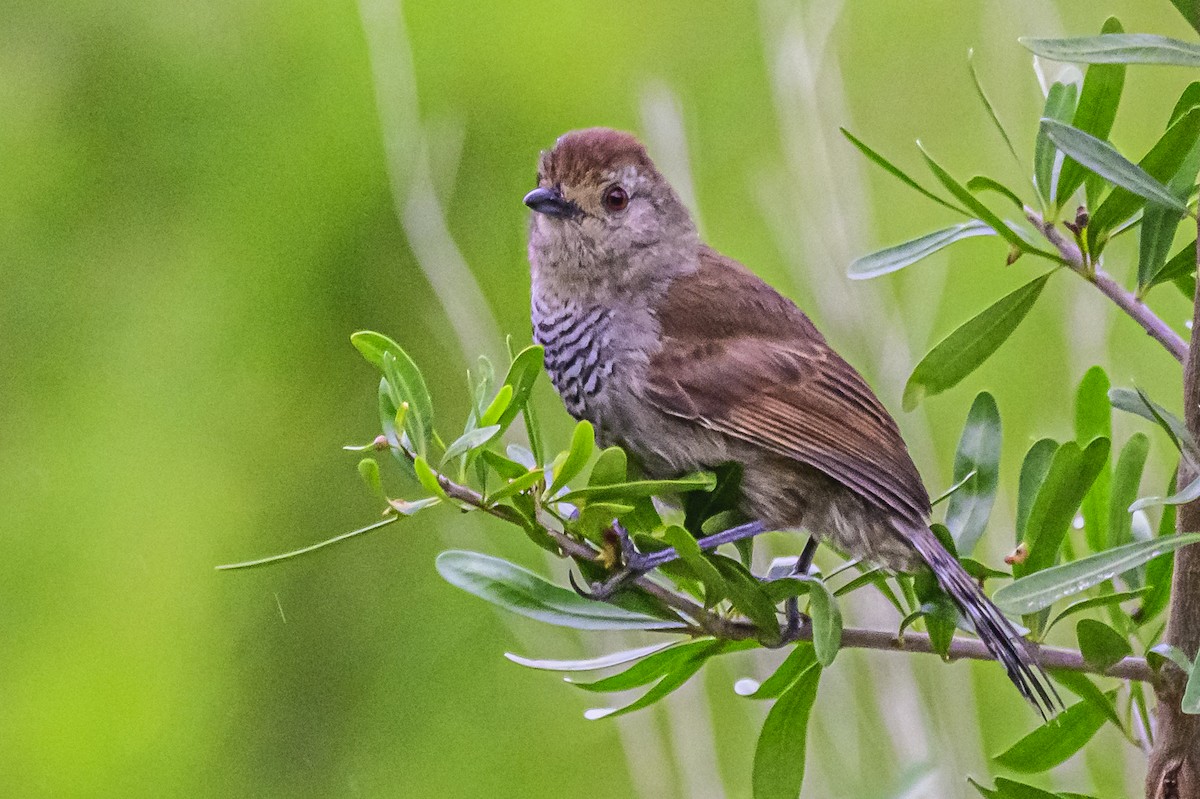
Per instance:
{"type": "Point", "coordinates": [687, 360]}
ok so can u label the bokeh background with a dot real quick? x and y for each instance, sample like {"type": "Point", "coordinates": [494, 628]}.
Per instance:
{"type": "Point", "coordinates": [199, 202]}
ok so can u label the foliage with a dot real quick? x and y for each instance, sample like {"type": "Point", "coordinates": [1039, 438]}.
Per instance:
{"type": "Point", "coordinates": [1108, 569]}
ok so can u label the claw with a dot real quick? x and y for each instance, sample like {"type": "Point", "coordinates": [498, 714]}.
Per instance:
{"type": "Point", "coordinates": [581, 591]}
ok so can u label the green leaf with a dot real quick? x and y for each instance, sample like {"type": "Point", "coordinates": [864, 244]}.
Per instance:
{"type": "Point", "coordinates": [522, 375]}
{"type": "Point", "coordinates": [960, 353]}
{"type": "Point", "coordinates": [891, 259]}
{"type": "Point", "coordinates": [1071, 474]}
{"type": "Point", "coordinates": [749, 596]}
{"type": "Point", "coordinates": [982, 183]}
{"type": "Point", "coordinates": [779, 756]}
{"type": "Point", "coordinates": [702, 481]}
{"type": "Point", "coordinates": [1008, 789]}
{"type": "Point", "coordinates": [1093, 419]}
{"type": "Point", "coordinates": [515, 486]}
{"type": "Point", "coordinates": [799, 661]}
{"type": "Point", "coordinates": [583, 442]}
{"type": "Point", "coordinates": [429, 478]}
{"type": "Point", "coordinates": [826, 620]}
{"type": "Point", "coordinates": [1060, 105]}
{"type": "Point", "coordinates": [1182, 264]}
{"type": "Point", "coordinates": [1080, 685]}
{"type": "Point", "coordinates": [490, 415]}
{"type": "Point", "coordinates": [405, 379]}
{"type": "Point", "coordinates": [1033, 473]}
{"type": "Point", "coordinates": [1160, 570]}
{"type": "Point", "coordinates": [649, 669]}
{"type": "Point", "coordinates": [896, 172]}
{"type": "Point", "coordinates": [991, 110]}
{"type": "Point", "coordinates": [1126, 480]}
{"type": "Point", "coordinates": [705, 573]}
{"type": "Point", "coordinates": [941, 619]}
{"type": "Point", "coordinates": [247, 564]}
{"type": "Point", "coordinates": [1102, 158]}
{"type": "Point", "coordinates": [525, 593]}
{"type": "Point", "coordinates": [1137, 402]}
{"type": "Point", "coordinates": [1102, 647]}
{"type": "Point", "coordinates": [471, 440]}
{"type": "Point", "coordinates": [1190, 11]}
{"type": "Point", "coordinates": [1162, 163]}
{"type": "Point", "coordinates": [1095, 113]}
{"type": "Point", "coordinates": [978, 453]}
{"type": "Point", "coordinates": [1044, 588]}
{"type": "Point", "coordinates": [1125, 48]}
{"type": "Point", "coordinates": [677, 676]}
{"type": "Point", "coordinates": [1189, 492]}
{"type": "Point", "coordinates": [611, 467]}
{"type": "Point", "coordinates": [1104, 600]}
{"type": "Point", "coordinates": [1156, 235]}
{"type": "Point", "coordinates": [1053, 743]}
{"type": "Point", "coordinates": [590, 664]}
{"type": "Point", "coordinates": [368, 469]}
{"type": "Point", "coordinates": [977, 208]}
{"type": "Point", "coordinates": [717, 507]}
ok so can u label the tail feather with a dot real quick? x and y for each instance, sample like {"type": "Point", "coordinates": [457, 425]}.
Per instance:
{"type": "Point", "coordinates": [994, 629]}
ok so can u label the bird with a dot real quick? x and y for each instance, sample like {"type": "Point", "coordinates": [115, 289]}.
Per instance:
{"type": "Point", "coordinates": [687, 360]}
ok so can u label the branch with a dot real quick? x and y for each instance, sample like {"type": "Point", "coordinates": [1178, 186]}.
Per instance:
{"type": "Point", "coordinates": [1174, 768]}
{"type": "Point", "coordinates": [1137, 310]}
{"type": "Point", "coordinates": [709, 623]}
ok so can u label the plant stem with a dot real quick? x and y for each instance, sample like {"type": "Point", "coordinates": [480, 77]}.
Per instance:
{"type": "Point", "coordinates": [1137, 310]}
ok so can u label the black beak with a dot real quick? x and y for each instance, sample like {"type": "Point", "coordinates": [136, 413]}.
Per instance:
{"type": "Point", "coordinates": [550, 202]}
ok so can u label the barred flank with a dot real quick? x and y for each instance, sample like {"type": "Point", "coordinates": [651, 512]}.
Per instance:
{"type": "Point", "coordinates": [997, 632]}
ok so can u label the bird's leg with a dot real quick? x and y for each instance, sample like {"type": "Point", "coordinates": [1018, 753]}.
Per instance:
{"type": "Point", "coordinates": [637, 563]}
{"type": "Point", "coordinates": [792, 606]}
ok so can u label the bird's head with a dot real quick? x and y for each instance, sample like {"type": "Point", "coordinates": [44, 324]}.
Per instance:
{"type": "Point", "coordinates": [603, 212]}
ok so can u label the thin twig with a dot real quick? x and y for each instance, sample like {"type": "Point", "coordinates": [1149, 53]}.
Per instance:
{"type": "Point", "coordinates": [1137, 310]}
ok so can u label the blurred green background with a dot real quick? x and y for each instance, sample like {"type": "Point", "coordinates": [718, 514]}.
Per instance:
{"type": "Point", "coordinates": [199, 203]}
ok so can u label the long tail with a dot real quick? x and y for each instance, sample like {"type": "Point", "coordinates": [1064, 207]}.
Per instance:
{"type": "Point", "coordinates": [997, 632]}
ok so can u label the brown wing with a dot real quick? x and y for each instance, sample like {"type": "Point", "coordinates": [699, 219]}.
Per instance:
{"type": "Point", "coordinates": [739, 358]}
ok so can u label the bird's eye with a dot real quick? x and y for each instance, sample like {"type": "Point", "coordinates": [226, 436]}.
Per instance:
{"type": "Point", "coordinates": [615, 198]}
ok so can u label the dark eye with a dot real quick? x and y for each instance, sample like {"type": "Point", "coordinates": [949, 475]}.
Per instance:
{"type": "Point", "coordinates": [615, 198]}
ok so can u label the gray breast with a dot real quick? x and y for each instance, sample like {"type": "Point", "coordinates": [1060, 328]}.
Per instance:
{"type": "Point", "coordinates": [578, 353]}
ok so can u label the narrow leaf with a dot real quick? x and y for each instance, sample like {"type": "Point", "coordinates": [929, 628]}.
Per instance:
{"type": "Point", "coordinates": [1082, 686]}
{"type": "Point", "coordinates": [975, 207]}
{"type": "Point", "coordinates": [590, 664]}
{"type": "Point", "coordinates": [1124, 48]}
{"type": "Point", "coordinates": [1102, 647]}
{"type": "Point", "coordinates": [1060, 105]}
{"type": "Point", "coordinates": [1095, 113]}
{"type": "Point", "coordinates": [1093, 419]}
{"type": "Point", "coordinates": [779, 756]}
{"type": "Point", "coordinates": [1072, 472]}
{"type": "Point", "coordinates": [982, 183]}
{"type": "Point", "coordinates": [649, 669]}
{"type": "Point", "coordinates": [896, 172]}
{"type": "Point", "coordinates": [826, 620]}
{"type": "Point", "coordinates": [899, 256]}
{"type": "Point", "coordinates": [1042, 589]}
{"type": "Point", "coordinates": [521, 591]}
{"type": "Point", "coordinates": [1052, 744]}
{"type": "Point", "coordinates": [703, 481]}
{"type": "Point", "coordinates": [1161, 165]}
{"type": "Point", "coordinates": [801, 659]}
{"type": "Point", "coordinates": [960, 353]}
{"type": "Point", "coordinates": [1100, 157]}
{"type": "Point", "coordinates": [1104, 600]}
{"type": "Point", "coordinates": [471, 440]}
{"type": "Point", "coordinates": [246, 564]}
{"type": "Point", "coordinates": [583, 442]}
{"type": "Point", "coordinates": [1189, 492]}
{"type": "Point", "coordinates": [1033, 473]}
{"type": "Point", "coordinates": [1126, 480]}
{"type": "Point", "coordinates": [405, 378]}
{"type": "Point", "coordinates": [978, 453]}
